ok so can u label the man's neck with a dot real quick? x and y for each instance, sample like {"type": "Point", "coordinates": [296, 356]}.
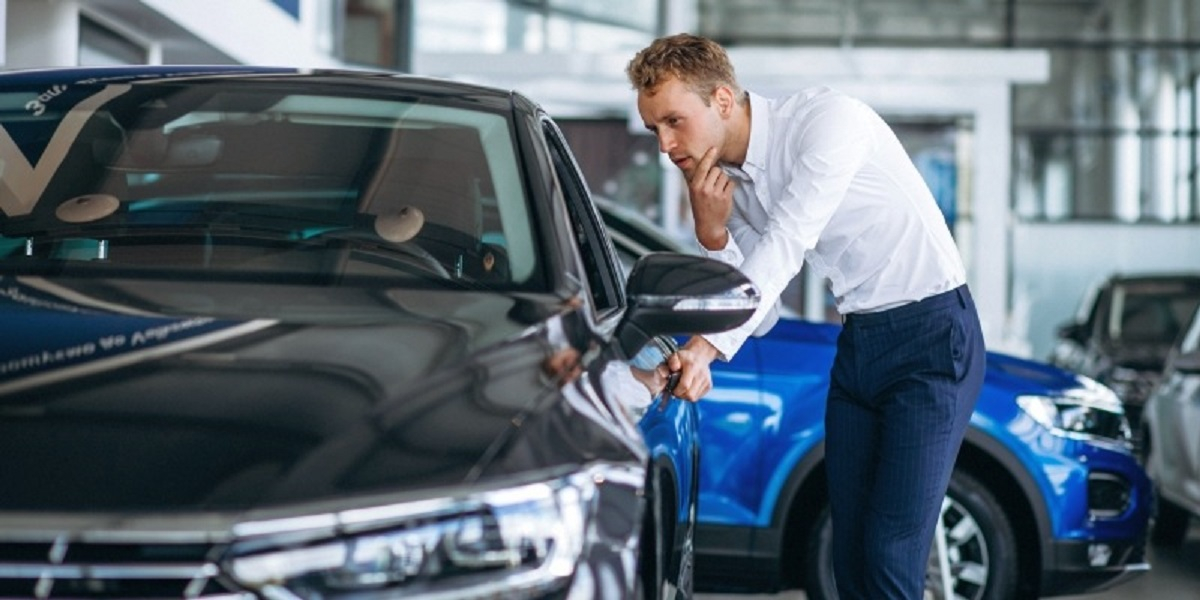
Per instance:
{"type": "Point", "coordinates": [739, 133]}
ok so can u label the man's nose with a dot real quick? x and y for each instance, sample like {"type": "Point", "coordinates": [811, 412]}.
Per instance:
{"type": "Point", "coordinates": [665, 142]}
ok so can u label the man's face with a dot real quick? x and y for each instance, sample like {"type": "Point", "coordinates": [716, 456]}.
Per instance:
{"type": "Point", "coordinates": [686, 127]}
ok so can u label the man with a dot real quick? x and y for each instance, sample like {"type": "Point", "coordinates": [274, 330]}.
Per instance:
{"type": "Point", "coordinates": [818, 177]}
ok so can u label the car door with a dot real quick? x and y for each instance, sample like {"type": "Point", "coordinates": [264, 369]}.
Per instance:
{"type": "Point", "coordinates": [668, 425]}
{"type": "Point", "coordinates": [733, 416]}
{"type": "Point", "coordinates": [605, 280]}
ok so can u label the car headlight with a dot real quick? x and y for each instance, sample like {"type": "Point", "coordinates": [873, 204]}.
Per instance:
{"type": "Point", "coordinates": [517, 542]}
{"type": "Point", "coordinates": [1090, 411]}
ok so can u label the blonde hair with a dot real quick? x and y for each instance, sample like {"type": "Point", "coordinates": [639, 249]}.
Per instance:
{"type": "Point", "coordinates": [699, 63]}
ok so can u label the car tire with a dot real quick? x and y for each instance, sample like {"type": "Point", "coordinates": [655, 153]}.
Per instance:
{"type": "Point", "coordinates": [1169, 526]}
{"type": "Point", "coordinates": [980, 544]}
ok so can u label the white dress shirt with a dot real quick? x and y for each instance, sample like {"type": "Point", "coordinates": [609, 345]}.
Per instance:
{"type": "Point", "coordinates": [826, 182]}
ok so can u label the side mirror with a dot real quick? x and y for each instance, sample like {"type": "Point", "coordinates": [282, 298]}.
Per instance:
{"type": "Point", "coordinates": [1075, 332]}
{"type": "Point", "coordinates": [673, 294]}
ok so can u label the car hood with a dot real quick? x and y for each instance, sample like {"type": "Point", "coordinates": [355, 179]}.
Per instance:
{"type": "Point", "coordinates": [153, 396]}
{"type": "Point", "coordinates": [1027, 376]}
{"type": "Point", "coordinates": [1138, 356]}
{"type": "Point", "coordinates": [1004, 371]}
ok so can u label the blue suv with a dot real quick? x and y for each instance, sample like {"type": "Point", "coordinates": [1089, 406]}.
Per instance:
{"type": "Point", "coordinates": [1047, 497]}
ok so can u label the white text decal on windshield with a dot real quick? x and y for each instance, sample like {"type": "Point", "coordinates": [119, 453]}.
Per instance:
{"type": "Point", "coordinates": [38, 106]}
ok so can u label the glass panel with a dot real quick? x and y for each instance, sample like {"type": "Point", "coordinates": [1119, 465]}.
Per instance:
{"type": "Point", "coordinates": [1110, 136]}
{"type": "Point", "coordinates": [369, 36]}
{"type": "Point", "coordinates": [865, 22]}
{"type": "Point", "coordinates": [569, 35]}
{"type": "Point", "coordinates": [633, 14]}
{"type": "Point", "coordinates": [494, 26]}
{"type": "Point", "coordinates": [225, 180]}
{"type": "Point", "coordinates": [1029, 23]}
{"type": "Point", "coordinates": [460, 26]}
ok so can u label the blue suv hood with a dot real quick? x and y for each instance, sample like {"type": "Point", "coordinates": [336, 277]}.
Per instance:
{"type": "Point", "coordinates": [1003, 370]}
{"type": "Point", "coordinates": [1027, 376]}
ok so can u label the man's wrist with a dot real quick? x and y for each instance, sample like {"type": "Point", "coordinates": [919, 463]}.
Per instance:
{"type": "Point", "coordinates": [713, 239]}
{"type": "Point", "coordinates": [702, 348]}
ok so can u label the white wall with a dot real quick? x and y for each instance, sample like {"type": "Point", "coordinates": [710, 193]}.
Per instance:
{"type": "Point", "coordinates": [41, 34]}
{"type": "Point", "coordinates": [254, 32]}
{"type": "Point", "coordinates": [45, 33]}
{"type": "Point", "coordinates": [3, 32]}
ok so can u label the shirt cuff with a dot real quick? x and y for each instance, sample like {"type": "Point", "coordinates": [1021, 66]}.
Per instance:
{"type": "Point", "coordinates": [725, 344]}
{"type": "Point", "coordinates": [730, 254]}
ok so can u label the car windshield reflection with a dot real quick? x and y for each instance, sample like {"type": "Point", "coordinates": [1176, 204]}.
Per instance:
{"type": "Point", "coordinates": [275, 182]}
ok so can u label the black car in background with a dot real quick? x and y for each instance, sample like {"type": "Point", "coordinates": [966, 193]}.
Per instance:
{"type": "Point", "coordinates": [276, 333]}
{"type": "Point", "coordinates": [1123, 331]}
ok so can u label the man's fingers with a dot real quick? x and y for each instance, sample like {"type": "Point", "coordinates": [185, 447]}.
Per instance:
{"type": "Point", "coordinates": [701, 172]}
{"type": "Point", "coordinates": [708, 160]}
{"type": "Point", "coordinates": [691, 384]}
{"type": "Point", "coordinates": [726, 184]}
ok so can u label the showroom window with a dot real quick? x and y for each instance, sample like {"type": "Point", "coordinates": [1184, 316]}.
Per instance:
{"type": "Point", "coordinates": [533, 25]}
{"type": "Point", "coordinates": [388, 33]}
{"type": "Point", "coordinates": [1111, 136]}
{"type": "Point", "coordinates": [1113, 140]}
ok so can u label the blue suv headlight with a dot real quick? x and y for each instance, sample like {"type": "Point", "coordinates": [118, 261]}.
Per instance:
{"type": "Point", "coordinates": [1089, 412]}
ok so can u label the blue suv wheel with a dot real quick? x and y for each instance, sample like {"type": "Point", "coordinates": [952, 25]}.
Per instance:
{"type": "Point", "coordinates": [980, 550]}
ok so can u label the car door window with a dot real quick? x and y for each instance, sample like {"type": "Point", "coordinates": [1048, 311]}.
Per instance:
{"type": "Point", "coordinates": [604, 281]}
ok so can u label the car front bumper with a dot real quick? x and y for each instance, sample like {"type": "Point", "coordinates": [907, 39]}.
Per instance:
{"type": "Point", "coordinates": [1092, 566]}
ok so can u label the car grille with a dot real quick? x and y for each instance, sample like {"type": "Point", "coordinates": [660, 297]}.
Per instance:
{"type": "Point", "coordinates": [60, 569]}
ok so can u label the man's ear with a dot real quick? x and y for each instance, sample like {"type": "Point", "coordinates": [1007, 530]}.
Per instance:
{"type": "Point", "coordinates": [724, 99]}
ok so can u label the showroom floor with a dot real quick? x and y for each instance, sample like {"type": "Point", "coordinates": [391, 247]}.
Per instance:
{"type": "Point", "coordinates": [1174, 575]}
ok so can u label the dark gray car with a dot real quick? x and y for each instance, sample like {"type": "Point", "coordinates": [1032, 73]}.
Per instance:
{"type": "Point", "coordinates": [329, 334]}
{"type": "Point", "coordinates": [1124, 330]}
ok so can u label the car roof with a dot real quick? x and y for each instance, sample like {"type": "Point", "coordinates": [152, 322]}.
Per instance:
{"type": "Point", "coordinates": [1135, 278]}
{"type": "Point", "coordinates": [95, 75]}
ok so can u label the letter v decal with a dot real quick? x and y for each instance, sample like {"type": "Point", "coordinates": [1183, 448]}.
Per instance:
{"type": "Point", "coordinates": [21, 184]}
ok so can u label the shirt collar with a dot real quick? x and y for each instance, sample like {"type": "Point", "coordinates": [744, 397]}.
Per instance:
{"type": "Point", "coordinates": [756, 151]}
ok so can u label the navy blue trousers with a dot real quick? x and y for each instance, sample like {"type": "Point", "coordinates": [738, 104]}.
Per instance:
{"type": "Point", "coordinates": [903, 386]}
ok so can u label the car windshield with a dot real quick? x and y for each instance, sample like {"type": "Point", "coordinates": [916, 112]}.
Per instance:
{"type": "Point", "coordinates": [220, 178]}
{"type": "Point", "coordinates": [1152, 312]}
